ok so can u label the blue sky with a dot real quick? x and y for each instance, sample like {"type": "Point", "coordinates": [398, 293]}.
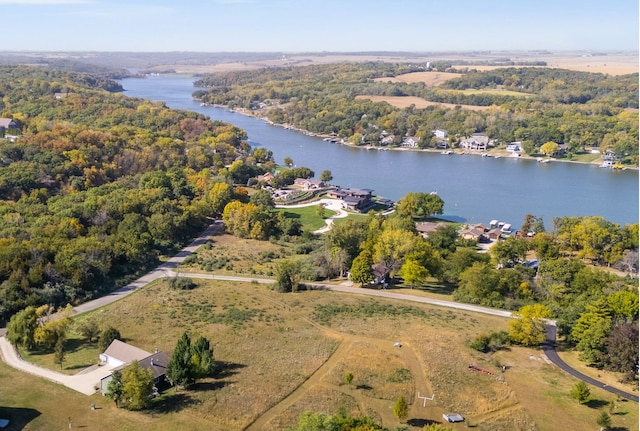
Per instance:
{"type": "Point", "coordinates": [318, 25]}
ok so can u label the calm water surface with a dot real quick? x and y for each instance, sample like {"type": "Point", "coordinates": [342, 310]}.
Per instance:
{"type": "Point", "coordinates": [474, 188]}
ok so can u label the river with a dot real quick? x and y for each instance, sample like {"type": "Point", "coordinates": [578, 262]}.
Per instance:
{"type": "Point", "coordinates": [475, 189]}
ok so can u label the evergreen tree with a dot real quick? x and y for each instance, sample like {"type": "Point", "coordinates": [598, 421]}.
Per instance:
{"type": "Point", "coordinates": [181, 370]}
{"type": "Point", "coordinates": [202, 357]}
{"type": "Point", "coordinates": [580, 392]}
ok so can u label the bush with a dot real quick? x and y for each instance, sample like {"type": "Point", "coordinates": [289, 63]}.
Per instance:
{"type": "Point", "coordinates": [490, 343]}
{"type": "Point", "coordinates": [180, 283]}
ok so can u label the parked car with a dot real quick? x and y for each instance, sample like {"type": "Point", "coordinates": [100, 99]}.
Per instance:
{"type": "Point", "coordinates": [452, 417]}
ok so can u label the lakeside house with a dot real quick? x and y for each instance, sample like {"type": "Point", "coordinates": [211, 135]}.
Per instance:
{"type": "Point", "coordinates": [120, 354]}
{"type": "Point", "coordinates": [352, 199]}
{"type": "Point", "coordinates": [475, 232]}
{"type": "Point", "coordinates": [476, 142]}
{"type": "Point", "coordinates": [410, 141]}
{"type": "Point", "coordinates": [308, 184]}
{"type": "Point", "coordinates": [515, 147]}
{"type": "Point", "coordinates": [424, 228]}
{"type": "Point", "coordinates": [441, 134]}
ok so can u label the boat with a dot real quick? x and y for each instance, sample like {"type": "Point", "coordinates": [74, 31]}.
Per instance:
{"type": "Point", "coordinates": [447, 152]}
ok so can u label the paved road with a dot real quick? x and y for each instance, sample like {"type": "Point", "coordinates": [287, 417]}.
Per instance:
{"type": "Point", "coordinates": [167, 270]}
{"type": "Point", "coordinates": [86, 380]}
{"type": "Point", "coordinates": [549, 348]}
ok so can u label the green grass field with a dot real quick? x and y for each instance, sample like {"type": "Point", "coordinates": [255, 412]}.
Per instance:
{"type": "Point", "coordinates": [307, 216]}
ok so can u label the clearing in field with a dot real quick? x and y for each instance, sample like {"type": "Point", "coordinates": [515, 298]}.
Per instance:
{"type": "Point", "coordinates": [406, 101]}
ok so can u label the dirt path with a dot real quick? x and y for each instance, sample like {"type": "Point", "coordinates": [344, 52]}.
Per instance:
{"type": "Point", "coordinates": [383, 407]}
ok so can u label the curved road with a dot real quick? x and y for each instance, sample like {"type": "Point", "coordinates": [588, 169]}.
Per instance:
{"type": "Point", "coordinates": [166, 269]}
{"type": "Point", "coordinates": [549, 348]}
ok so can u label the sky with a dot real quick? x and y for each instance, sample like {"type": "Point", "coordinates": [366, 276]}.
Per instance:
{"type": "Point", "coordinates": [318, 25]}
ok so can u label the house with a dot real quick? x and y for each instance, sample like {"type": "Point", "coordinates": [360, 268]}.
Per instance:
{"type": "Point", "coordinates": [426, 227]}
{"type": "Point", "coordinates": [266, 178]}
{"type": "Point", "coordinates": [120, 354]}
{"type": "Point", "coordinates": [494, 234]}
{"type": "Point", "coordinates": [476, 232]}
{"type": "Point", "coordinates": [308, 184]}
{"type": "Point", "coordinates": [441, 134]}
{"type": "Point", "coordinates": [410, 142]}
{"type": "Point", "coordinates": [387, 140]}
{"type": "Point", "coordinates": [352, 199]}
{"type": "Point", "coordinates": [7, 123]}
{"type": "Point", "coordinates": [515, 147]}
{"type": "Point", "coordinates": [477, 141]}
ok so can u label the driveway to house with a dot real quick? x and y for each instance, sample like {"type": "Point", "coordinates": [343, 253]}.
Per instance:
{"type": "Point", "coordinates": [86, 380]}
{"type": "Point", "coordinates": [331, 204]}
{"type": "Point", "coordinates": [549, 348]}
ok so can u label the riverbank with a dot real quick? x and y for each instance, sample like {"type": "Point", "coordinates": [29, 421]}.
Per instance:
{"type": "Point", "coordinates": [492, 152]}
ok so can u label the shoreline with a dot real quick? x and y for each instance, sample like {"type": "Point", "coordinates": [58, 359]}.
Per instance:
{"type": "Point", "coordinates": [493, 153]}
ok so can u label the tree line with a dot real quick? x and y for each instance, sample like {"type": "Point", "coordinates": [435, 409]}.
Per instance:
{"type": "Point", "coordinates": [578, 109]}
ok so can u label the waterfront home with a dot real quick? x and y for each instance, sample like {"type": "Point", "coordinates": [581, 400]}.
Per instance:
{"type": "Point", "coordinates": [424, 228]}
{"type": "Point", "coordinates": [477, 141]}
{"type": "Point", "coordinates": [410, 141]}
{"type": "Point", "coordinates": [352, 199]}
{"type": "Point", "coordinates": [515, 147]}
{"type": "Point", "coordinates": [308, 184]}
{"type": "Point", "coordinates": [441, 134]}
{"type": "Point", "coordinates": [475, 232]}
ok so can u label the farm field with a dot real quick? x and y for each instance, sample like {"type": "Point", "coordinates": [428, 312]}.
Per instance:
{"type": "Point", "coordinates": [406, 101]}
{"type": "Point", "coordinates": [282, 354]}
{"type": "Point", "coordinates": [432, 79]}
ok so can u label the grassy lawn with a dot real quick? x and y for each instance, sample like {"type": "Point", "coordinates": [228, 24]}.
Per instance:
{"type": "Point", "coordinates": [307, 216]}
{"type": "Point", "coordinates": [79, 354]}
{"type": "Point", "coordinates": [269, 344]}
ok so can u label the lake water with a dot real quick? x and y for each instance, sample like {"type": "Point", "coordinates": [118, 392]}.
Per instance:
{"type": "Point", "coordinates": [474, 188]}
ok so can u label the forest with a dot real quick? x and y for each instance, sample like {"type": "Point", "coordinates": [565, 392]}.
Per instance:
{"type": "Point", "coordinates": [99, 186]}
{"type": "Point", "coordinates": [579, 109]}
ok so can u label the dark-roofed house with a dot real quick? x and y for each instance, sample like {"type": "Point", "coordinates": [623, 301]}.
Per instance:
{"type": "Point", "coordinates": [120, 354]}
{"type": "Point", "coordinates": [7, 123]}
{"type": "Point", "coordinates": [352, 199]}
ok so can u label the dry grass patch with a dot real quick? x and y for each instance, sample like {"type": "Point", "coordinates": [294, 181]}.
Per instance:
{"type": "Point", "coordinates": [406, 101]}
{"type": "Point", "coordinates": [376, 372]}
{"type": "Point", "coordinates": [229, 255]}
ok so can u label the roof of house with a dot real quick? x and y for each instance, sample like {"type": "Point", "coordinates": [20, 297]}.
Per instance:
{"type": "Point", "coordinates": [428, 227]}
{"type": "Point", "coordinates": [6, 122]}
{"type": "Point", "coordinates": [157, 363]}
{"type": "Point", "coordinates": [125, 352]}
